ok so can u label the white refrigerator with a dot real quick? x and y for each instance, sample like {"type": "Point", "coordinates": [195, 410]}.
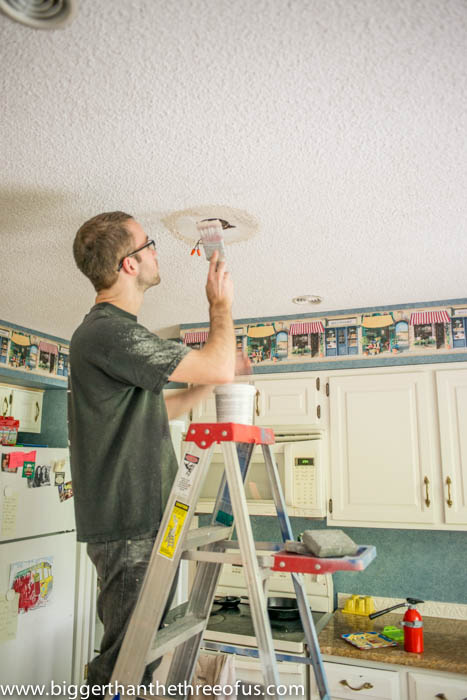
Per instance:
{"type": "Point", "coordinates": [38, 558]}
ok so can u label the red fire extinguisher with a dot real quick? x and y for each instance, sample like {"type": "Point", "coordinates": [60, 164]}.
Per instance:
{"type": "Point", "coordinates": [412, 624]}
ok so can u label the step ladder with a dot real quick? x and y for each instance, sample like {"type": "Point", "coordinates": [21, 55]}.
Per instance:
{"type": "Point", "coordinates": [144, 642]}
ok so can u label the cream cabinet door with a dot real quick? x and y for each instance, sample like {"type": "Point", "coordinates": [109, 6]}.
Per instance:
{"type": "Point", "coordinates": [26, 407]}
{"type": "Point", "coordinates": [346, 681]}
{"type": "Point", "coordinates": [428, 687]}
{"type": "Point", "coordinates": [452, 403]}
{"type": "Point", "coordinates": [290, 402]}
{"type": "Point", "coordinates": [382, 450]}
{"type": "Point", "coordinates": [205, 410]}
{"type": "Point", "coordinates": [5, 400]}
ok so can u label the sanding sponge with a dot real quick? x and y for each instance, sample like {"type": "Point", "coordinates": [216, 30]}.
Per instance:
{"type": "Point", "coordinates": [329, 543]}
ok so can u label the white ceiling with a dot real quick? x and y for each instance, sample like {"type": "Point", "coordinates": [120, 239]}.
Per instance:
{"type": "Point", "coordinates": [340, 125]}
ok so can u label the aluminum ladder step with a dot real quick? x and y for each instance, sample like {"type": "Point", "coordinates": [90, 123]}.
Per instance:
{"type": "Point", "coordinates": [178, 632]}
{"type": "Point", "coordinates": [206, 535]}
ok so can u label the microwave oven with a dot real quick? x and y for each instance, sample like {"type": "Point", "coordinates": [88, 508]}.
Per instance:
{"type": "Point", "coordinates": [300, 463]}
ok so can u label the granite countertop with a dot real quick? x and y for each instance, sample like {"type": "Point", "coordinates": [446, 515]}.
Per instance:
{"type": "Point", "coordinates": [445, 642]}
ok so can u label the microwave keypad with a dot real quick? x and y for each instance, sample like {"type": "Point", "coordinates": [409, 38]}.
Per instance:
{"type": "Point", "coordinates": [304, 481]}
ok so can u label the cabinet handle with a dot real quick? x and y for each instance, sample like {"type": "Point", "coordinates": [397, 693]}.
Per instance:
{"type": "Point", "coordinates": [38, 410]}
{"type": "Point", "coordinates": [318, 411]}
{"type": "Point", "coordinates": [364, 686]}
{"type": "Point", "coordinates": [318, 384]}
{"type": "Point", "coordinates": [426, 481]}
{"type": "Point", "coordinates": [257, 401]}
{"type": "Point", "coordinates": [5, 402]}
{"type": "Point", "coordinates": [449, 501]}
{"type": "Point", "coordinates": [441, 696]}
{"type": "Point", "coordinates": [327, 388]}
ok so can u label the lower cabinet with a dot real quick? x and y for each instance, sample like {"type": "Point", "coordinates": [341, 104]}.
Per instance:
{"type": "Point", "coordinates": [346, 681]}
{"type": "Point", "coordinates": [428, 687]}
{"type": "Point", "coordinates": [392, 683]}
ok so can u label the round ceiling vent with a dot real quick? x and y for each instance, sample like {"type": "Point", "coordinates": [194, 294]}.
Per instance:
{"type": "Point", "coordinates": [307, 299]}
{"type": "Point", "coordinates": [40, 14]}
{"type": "Point", "coordinates": [237, 225]}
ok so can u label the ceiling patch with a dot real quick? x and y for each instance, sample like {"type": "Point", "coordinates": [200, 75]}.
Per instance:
{"type": "Point", "coordinates": [237, 225]}
{"type": "Point", "coordinates": [40, 14]}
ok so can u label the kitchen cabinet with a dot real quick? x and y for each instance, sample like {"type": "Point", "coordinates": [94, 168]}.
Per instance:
{"type": "Point", "coordinates": [26, 406]}
{"type": "Point", "coordinates": [299, 401]}
{"type": "Point", "coordinates": [398, 450]}
{"type": "Point", "coordinates": [346, 681]}
{"type": "Point", "coordinates": [205, 410]}
{"type": "Point", "coordinates": [432, 687]}
{"type": "Point", "coordinates": [452, 403]}
{"type": "Point", "coordinates": [382, 450]}
{"type": "Point", "coordinates": [5, 395]}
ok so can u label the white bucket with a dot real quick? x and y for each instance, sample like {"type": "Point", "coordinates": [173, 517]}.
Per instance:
{"type": "Point", "coordinates": [235, 403]}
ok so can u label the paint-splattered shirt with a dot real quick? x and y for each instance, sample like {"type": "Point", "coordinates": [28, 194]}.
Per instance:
{"type": "Point", "coordinates": [122, 459]}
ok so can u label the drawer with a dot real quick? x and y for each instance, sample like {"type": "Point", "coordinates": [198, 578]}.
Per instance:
{"type": "Point", "coordinates": [347, 681]}
{"type": "Point", "coordinates": [432, 687]}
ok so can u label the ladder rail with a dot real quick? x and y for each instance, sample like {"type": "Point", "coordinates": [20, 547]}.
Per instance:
{"type": "Point", "coordinates": [297, 579]}
{"type": "Point", "coordinates": [257, 598]}
{"type": "Point", "coordinates": [207, 575]}
{"type": "Point", "coordinates": [161, 571]}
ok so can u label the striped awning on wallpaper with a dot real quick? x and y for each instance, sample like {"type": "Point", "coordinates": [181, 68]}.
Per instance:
{"type": "Point", "coordinates": [48, 347]}
{"type": "Point", "coordinates": [421, 318]}
{"type": "Point", "coordinates": [196, 337]}
{"type": "Point", "coordinates": [303, 328]}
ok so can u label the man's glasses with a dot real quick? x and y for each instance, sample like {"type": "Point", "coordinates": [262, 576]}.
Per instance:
{"type": "Point", "coordinates": [128, 255]}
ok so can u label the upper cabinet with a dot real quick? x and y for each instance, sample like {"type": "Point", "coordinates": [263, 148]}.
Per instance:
{"type": "Point", "coordinates": [299, 401]}
{"type": "Point", "coordinates": [23, 404]}
{"type": "Point", "coordinates": [26, 406]}
{"type": "Point", "coordinates": [5, 400]}
{"type": "Point", "coordinates": [452, 402]}
{"type": "Point", "coordinates": [398, 448]}
{"type": "Point", "coordinates": [382, 451]}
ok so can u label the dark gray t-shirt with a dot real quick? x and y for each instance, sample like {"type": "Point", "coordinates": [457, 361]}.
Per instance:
{"type": "Point", "coordinates": [122, 459]}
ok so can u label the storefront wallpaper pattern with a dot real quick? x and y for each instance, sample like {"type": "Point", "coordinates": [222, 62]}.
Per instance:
{"type": "Point", "coordinates": [24, 350]}
{"type": "Point", "coordinates": [339, 336]}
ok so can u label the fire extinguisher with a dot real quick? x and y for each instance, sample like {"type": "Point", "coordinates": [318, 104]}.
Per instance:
{"type": "Point", "coordinates": [412, 623]}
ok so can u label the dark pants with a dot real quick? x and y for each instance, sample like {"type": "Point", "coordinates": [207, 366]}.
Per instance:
{"type": "Point", "coordinates": [121, 566]}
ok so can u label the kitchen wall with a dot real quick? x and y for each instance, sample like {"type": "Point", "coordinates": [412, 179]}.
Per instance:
{"type": "Point", "coordinates": [427, 564]}
{"type": "Point", "coordinates": [53, 427]}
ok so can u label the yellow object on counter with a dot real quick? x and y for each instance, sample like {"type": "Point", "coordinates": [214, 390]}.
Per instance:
{"type": "Point", "coordinates": [359, 605]}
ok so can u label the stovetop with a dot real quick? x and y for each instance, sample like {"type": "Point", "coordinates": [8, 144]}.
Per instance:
{"type": "Point", "coordinates": [235, 626]}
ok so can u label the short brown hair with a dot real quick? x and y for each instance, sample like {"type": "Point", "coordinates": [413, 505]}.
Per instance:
{"type": "Point", "coordinates": [100, 244]}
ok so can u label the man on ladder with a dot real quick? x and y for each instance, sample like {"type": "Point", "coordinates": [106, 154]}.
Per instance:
{"type": "Point", "coordinates": [122, 460]}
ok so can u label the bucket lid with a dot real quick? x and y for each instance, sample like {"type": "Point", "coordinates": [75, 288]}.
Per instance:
{"type": "Point", "coordinates": [235, 388]}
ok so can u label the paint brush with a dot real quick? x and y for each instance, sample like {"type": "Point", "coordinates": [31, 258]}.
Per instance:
{"type": "Point", "coordinates": [212, 237]}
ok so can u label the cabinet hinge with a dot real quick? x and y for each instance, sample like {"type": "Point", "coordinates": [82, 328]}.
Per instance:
{"type": "Point", "coordinates": [330, 505]}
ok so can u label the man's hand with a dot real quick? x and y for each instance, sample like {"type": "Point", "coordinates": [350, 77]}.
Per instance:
{"type": "Point", "coordinates": [242, 364]}
{"type": "Point", "coordinates": [219, 287]}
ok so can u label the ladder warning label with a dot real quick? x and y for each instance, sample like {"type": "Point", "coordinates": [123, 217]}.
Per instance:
{"type": "Point", "coordinates": [186, 480]}
{"type": "Point", "coordinates": [174, 529]}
